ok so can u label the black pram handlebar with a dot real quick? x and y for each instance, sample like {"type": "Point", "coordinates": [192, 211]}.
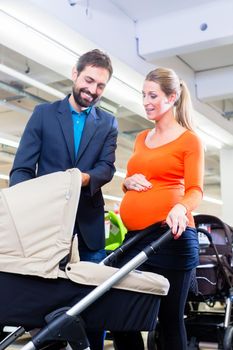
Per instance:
{"type": "Point", "coordinates": [153, 246]}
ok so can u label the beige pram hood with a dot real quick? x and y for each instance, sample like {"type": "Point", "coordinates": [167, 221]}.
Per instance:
{"type": "Point", "coordinates": [36, 223]}
{"type": "Point", "coordinates": [36, 229]}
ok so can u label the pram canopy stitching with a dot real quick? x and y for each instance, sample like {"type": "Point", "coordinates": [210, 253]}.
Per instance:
{"type": "Point", "coordinates": [92, 274]}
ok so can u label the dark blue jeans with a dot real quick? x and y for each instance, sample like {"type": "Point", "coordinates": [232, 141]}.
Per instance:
{"type": "Point", "coordinates": [175, 261]}
{"type": "Point", "coordinates": [94, 256]}
{"type": "Point", "coordinates": [172, 333]}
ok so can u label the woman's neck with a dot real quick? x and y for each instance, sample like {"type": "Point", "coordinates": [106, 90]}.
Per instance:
{"type": "Point", "coordinates": [166, 123]}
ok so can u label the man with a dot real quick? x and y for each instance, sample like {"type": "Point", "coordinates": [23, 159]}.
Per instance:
{"type": "Point", "coordinates": [73, 133]}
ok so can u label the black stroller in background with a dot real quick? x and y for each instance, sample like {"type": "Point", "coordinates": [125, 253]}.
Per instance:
{"type": "Point", "coordinates": [39, 291]}
{"type": "Point", "coordinates": [212, 285]}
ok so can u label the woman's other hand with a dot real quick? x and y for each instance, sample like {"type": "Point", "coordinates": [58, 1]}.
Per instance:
{"type": "Point", "coordinates": [137, 182]}
{"type": "Point", "coordinates": [177, 220]}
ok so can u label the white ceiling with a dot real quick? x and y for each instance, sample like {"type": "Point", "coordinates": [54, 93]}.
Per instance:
{"type": "Point", "coordinates": [209, 59]}
{"type": "Point", "coordinates": [17, 99]}
{"type": "Point", "coordinates": [145, 9]}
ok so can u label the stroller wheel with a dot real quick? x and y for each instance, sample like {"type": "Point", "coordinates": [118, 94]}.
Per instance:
{"type": "Point", "coordinates": [152, 340]}
{"type": "Point", "coordinates": [228, 338]}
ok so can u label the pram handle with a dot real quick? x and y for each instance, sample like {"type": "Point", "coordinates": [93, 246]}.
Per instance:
{"type": "Point", "coordinates": [154, 246]}
{"type": "Point", "coordinates": [111, 258]}
{"type": "Point", "coordinates": [123, 248]}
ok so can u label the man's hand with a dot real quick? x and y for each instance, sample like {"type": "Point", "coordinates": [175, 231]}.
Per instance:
{"type": "Point", "coordinates": [85, 179]}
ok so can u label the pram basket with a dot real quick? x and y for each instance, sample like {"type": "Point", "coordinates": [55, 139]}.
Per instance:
{"type": "Point", "coordinates": [35, 290]}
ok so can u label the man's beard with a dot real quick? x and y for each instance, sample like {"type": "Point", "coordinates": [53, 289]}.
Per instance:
{"type": "Point", "coordinates": [82, 102]}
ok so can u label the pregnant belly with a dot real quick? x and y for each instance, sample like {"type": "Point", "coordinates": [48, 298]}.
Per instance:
{"type": "Point", "coordinates": [141, 209]}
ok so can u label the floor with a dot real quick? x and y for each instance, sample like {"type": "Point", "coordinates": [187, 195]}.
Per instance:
{"type": "Point", "coordinates": [19, 343]}
{"type": "Point", "coordinates": [108, 345]}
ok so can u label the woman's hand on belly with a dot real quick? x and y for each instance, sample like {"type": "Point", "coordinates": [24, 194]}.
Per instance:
{"type": "Point", "coordinates": [177, 220]}
{"type": "Point", "coordinates": [137, 182]}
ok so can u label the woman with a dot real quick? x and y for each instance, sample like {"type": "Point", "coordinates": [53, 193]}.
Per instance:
{"type": "Point", "coordinates": [163, 186]}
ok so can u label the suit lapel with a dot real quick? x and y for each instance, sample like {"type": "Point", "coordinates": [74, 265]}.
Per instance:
{"type": "Point", "coordinates": [65, 120]}
{"type": "Point", "coordinates": [88, 131]}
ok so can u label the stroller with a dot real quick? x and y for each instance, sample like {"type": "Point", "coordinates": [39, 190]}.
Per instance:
{"type": "Point", "coordinates": [212, 285]}
{"type": "Point", "coordinates": [64, 300]}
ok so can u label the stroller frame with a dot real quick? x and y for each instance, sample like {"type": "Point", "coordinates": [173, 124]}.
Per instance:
{"type": "Point", "coordinates": [202, 322]}
{"type": "Point", "coordinates": [66, 325]}
{"type": "Point", "coordinates": [32, 255]}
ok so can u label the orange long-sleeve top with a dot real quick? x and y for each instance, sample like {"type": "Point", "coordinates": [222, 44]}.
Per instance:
{"type": "Point", "coordinates": [176, 172]}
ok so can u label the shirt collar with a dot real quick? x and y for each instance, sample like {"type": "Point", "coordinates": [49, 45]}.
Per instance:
{"type": "Point", "coordinates": [84, 111]}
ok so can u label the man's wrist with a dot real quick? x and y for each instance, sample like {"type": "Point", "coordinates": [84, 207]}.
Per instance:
{"type": "Point", "coordinates": [85, 179]}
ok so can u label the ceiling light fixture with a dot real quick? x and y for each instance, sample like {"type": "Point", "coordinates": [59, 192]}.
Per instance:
{"type": "Point", "coordinates": [4, 177]}
{"type": "Point", "coordinates": [8, 142]}
{"type": "Point", "coordinates": [108, 107]}
{"type": "Point", "coordinates": [112, 198]}
{"type": "Point", "coordinates": [14, 107]}
{"type": "Point", "coordinates": [213, 200]}
{"type": "Point", "coordinates": [30, 81]}
{"type": "Point", "coordinates": [209, 140]}
{"type": "Point", "coordinates": [120, 173]}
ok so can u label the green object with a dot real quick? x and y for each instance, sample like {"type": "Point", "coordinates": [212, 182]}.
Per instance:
{"type": "Point", "coordinates": [114, 231]}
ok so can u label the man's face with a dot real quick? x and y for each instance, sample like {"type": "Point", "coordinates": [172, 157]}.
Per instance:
{"type": "Point", "coordinates": [89, 85]}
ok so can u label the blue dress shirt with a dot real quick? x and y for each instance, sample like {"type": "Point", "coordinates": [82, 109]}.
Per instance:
{"type": "Point", "coordinates": [78, 125]}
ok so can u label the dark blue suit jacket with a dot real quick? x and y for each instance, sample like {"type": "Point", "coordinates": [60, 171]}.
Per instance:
{"type": "Point", "coordinates": [47, 146]}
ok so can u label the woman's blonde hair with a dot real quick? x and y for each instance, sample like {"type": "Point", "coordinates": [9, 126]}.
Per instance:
{"type": "Point", "coordinates": [170, 83]}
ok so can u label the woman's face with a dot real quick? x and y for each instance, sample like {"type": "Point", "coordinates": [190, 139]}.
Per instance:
{"type": "Point", "coordinates": [155, 102]}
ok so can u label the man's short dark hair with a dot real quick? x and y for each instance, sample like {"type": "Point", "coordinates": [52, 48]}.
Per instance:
{"type": "Point", "coordinates": [95, 58]}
